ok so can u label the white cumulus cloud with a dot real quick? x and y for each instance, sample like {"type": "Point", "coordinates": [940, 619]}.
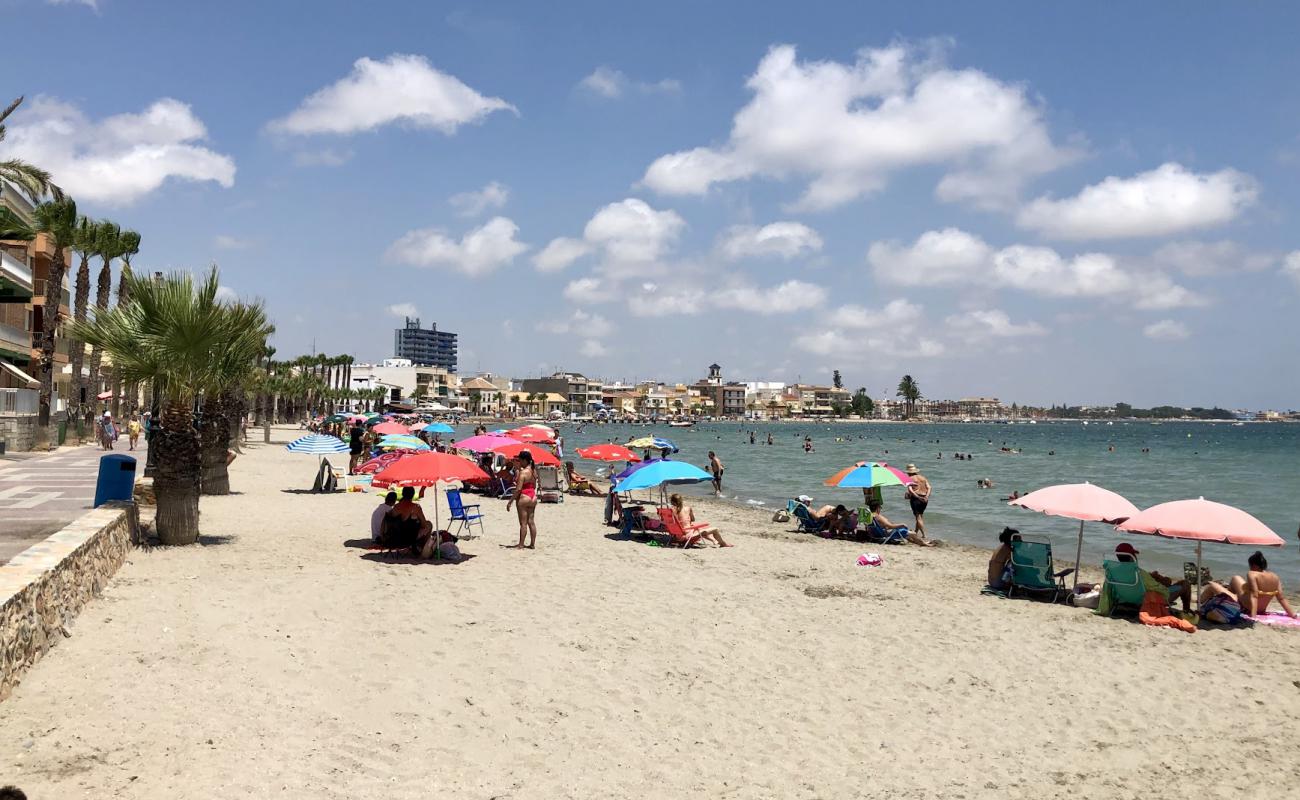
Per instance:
{"type": "Point", "coordinates": [403, 310]}
{"type": "Point", "coordinates": [948, 256]}
{"type": "Point", "coordinates": [610, 83]}
{"type": "Point", "coordinates": [991, 323]}
{"type": "Point", "coordinates": [1201, 259]}
{"type": "Point", "coordinates": [592, 349]}
{"type": "Point", "coordinates": [119, 159]}
{"type": "Point", "coordinates": [785, 240]}
{"type": "Point", "coordinates": [470, 204]}
{"type": "Point", "coordinates": [1167, 200]}
{"type": "Point", "coordinates": [1291, 267]}
{"type": "Point", "coordinates": [955, 257]}
{"type": "Point", "coordinates": [479, 252]}
{"type": "Point", "coordinates": [225, 294]}
{"type": "Point", "coordinates": [1166, 330]}
{"type": "Point", "coordinates": [560, 253]}
{"type": "Point", "coordinates": [400, 88]}
{"type": "Point", "coordinates": [847, 126]}
{"type": "Point", "coordinates": [783, 298]}
{"type": "Point", "coordinates": [579, 321]}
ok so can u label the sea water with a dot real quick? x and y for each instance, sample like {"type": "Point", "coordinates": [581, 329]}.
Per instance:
{"type": "Point", "coordinates": [1255, 467]}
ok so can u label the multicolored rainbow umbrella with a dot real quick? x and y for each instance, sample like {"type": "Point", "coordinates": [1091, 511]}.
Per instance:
{"type": "Point", "coordinates": [866, 474]}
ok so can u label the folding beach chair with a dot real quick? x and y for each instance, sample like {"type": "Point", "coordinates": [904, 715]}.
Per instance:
{"type": "Point", "coordinates": [633, 522]}
{"type": "Point", "coordinates": [680, 535]}
{"type": "Point", "coordinates": [1032, 572]}
{"type": "Point", "coordinates": [879, 534]}
{"type": "Point", "coordinates": [1124, 584]}
{"type": "Point", "coordinates": [807, 522]}
{"type": "Point", "coordinates": [548, 485]}
{"type": "Point", "coordinates": [467, 516]}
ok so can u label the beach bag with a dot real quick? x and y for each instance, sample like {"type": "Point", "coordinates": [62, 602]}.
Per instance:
{"type": "Point", "coordinates": [1222, 610]}
{"type": "Point", "coordinates": [1090, 599]}
{"type": "Point", "coordinates": [781, 516]}
{"type": "Point", "coordinates": [870, 560]}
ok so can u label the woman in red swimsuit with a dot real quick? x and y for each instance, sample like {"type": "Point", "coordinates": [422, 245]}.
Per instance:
{"type": "Point", "coordinates": [525, 500]}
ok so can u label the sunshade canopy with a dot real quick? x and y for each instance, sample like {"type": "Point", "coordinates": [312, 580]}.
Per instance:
{"type": "Point", "coordinates": [1082, 501]}
{"type": "Point", "coordinates": [1204, 521]}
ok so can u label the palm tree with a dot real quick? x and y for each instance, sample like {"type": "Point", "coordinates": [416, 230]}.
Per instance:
{"type": "Point", "coordinates": [107, 246]}
{"type": "Point", "coordinates": [171, 332]}
{"type": "Point", "coordinates": [33, 181]}
{"type": "Point", "coordinates": [910, 392]}
{"type": "Point", "coordinates": [83, 244]}
{"type": "Point", "coordinates": [57, 219]}
{"type": "Point", "coordinates": [129, 245]}
{"type": "Point", "coordinates": [223, 403]}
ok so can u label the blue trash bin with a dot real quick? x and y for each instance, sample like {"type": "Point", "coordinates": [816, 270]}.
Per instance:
{"type": "Point", "coordinates": [116, 479]}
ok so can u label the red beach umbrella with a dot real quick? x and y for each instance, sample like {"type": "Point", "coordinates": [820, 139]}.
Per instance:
{"type": "Point", "coordinates": [540, 456]}
{"type": "Point", "coordinates": [608, 452]}
{"type": "Point", "coordinates": [428, 469]}
{"type": "Point", "coordinates": [1082, 501]}
{"type": "Point", "coordinates": [390, 427]}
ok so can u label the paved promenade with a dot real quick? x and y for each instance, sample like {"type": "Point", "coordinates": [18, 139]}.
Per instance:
{"type": "Point", "coordinates": [42, 493]}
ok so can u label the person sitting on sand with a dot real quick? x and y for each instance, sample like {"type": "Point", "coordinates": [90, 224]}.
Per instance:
{"type": "Point", "coordinates": [407, 527]}
{"type": "Point", "coordinates": [579, 483]}
{"type": "Point", "coordinates": [378, 516]}
{"type": "Point", "coordinates": [1154, 580]}
{"type": "Point", "coordinates": [1000, 563]}
{"type": "Point", "coordinates": [1253, 592]}
{"type": "Point", "coordinates": [875, 506]}
{"type": "Point", "coordinates": [686, 516]}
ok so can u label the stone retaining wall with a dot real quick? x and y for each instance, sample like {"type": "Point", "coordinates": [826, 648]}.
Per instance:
{"type": "Point", "coordinates": [19, 432]}
{"type": "Point", "coordinates": [44, 587]}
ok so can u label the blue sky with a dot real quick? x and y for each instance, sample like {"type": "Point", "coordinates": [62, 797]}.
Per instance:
{"type": "Point", "coordinates": [1041, 202]}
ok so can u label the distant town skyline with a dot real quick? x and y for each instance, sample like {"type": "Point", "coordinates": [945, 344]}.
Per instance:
{"type": "Point", "coordinates": [1042, 202]}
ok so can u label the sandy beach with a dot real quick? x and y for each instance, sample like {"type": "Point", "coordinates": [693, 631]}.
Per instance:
{"type": "Point", "coordinates": [282, 658]}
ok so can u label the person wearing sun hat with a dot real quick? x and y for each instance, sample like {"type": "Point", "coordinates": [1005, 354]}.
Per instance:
{"type": "Point", "coordinates": [918, 494]}
{"type": "Point", "coordinates": [1176, 590]}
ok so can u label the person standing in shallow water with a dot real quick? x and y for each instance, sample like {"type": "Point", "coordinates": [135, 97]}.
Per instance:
{"type": "Point", "coordinates": [716, 468]}
{"type": "Point", "coordinates": [918, 495]}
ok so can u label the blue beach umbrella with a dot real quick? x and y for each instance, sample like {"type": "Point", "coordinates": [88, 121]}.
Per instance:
{"type": "Point", "coordinates": [657, 472]}
{"type": "Point", "coordinates": [317, 444]}
{"type": "Point", "coordinates": [438, 427]}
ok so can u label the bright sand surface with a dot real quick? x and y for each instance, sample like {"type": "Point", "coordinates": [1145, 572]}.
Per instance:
{"type": "Point", "coordinates": [275, 661]}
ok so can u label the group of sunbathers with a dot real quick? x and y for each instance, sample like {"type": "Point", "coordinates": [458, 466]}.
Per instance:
{"type": "Point", "coordinates": [868, 523]}
{"type": "Point", "coordinates": [1219, 603]}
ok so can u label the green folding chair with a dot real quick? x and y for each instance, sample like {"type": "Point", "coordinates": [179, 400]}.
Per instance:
{"type": "Point", "coordinates": [1124, 583]}
{"type": "Point", "coordinates": [1032, 571]}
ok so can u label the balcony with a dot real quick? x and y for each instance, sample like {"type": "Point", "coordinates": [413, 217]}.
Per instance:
{"type": "Point", "coordinates": [15, 280]}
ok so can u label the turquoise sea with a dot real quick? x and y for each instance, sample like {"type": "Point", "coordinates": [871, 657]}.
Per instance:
{"type": "Point", "coordinates": [1255, 467]}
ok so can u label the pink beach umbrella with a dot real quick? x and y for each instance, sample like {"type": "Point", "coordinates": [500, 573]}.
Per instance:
{"type": "Point", "coordinates": [390, 427]}
{"type": "Point", "coordinates": [1082, 501]}
{"type": "Point", "coordinates": [484, 443]}
{"type": "Point", "coordinates": [1202, 521]}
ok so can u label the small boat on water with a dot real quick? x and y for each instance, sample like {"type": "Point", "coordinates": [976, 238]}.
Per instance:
{"type": "Point", "coordinates": [684, 423]}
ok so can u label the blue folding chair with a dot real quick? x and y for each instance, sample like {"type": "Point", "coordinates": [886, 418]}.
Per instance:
{"type": "Point", "coordinates": [467, 516]}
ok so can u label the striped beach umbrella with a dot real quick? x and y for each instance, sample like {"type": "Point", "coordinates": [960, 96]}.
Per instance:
{"type": "Point", "coordinates": [866, 474]}
{"type": "Point", "coordinates": [652, 443]}
{"type": "Point", "coordinates": [317, 444]}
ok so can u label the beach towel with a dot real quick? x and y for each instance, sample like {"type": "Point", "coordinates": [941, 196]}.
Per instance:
{"type": "Point", "coordinates": [1155, 611]}
{"type": "Point", "coordinates": [1277, 618]}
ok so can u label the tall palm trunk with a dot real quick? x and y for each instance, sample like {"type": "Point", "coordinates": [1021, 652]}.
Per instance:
{"type": "Point", "coordinates": [214, 442]}
{"type": "Point", "coordinates": [176, 473]}
{"type": "Point", "coordinates": [78, 355]}
{"type": "Point", "coordinates": [101, 303]}
{"type": "Point", "coordinates": [49, 327]}
{"type": "Point", "coordinates": [123, 297]}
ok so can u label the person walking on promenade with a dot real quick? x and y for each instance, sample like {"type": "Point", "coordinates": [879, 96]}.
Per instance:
{"type": "Point", "coordinates": [918, 494]}
{"type": "Point", "coordinates": [133, 431]}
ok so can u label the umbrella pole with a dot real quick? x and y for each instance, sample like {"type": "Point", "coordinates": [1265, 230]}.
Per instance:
{"type": "Point", "coordinates": [1198, 576]}
{"type": "Point", "coordinates": [1078, 557]}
